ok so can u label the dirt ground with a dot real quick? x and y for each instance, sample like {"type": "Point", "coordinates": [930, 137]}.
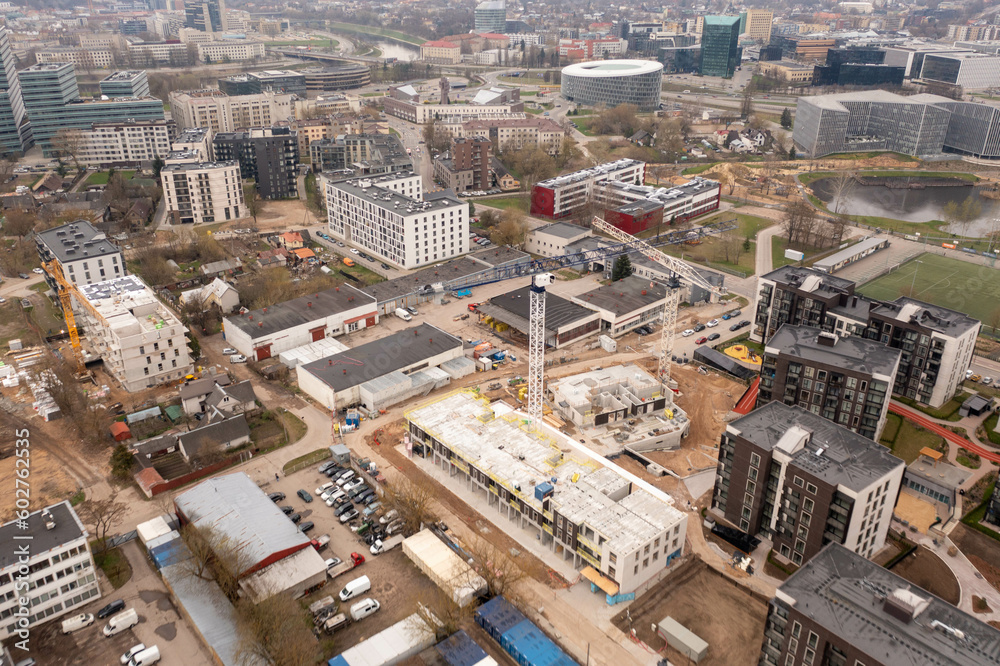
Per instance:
{"type": "Point", "coordinates": [983, 552]}
{"type": "Point", "coordinates": [928, 571]}
{"type": "Point", "coordinates": [729, 619]}
{"type": "Point", "coordinates": [285, 214]}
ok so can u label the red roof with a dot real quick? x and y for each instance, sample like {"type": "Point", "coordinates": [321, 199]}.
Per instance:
{"type": "Point", "coordinates": [442, 45]}
{"type": "Point", "coordinates": [493, 35]}
{"type": "Point", "coordinates": [119, 430]}
{"type": "Point", "coordinates": [148, 478]}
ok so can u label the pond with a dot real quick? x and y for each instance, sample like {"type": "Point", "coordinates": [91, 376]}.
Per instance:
{"type": "Point", "coordinates": [919, 205]}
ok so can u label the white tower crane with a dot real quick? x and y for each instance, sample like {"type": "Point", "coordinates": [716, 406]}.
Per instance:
{"type": "Point", "coordinates": [681, 271]}
{"type": "Point", "coordinates": [536, 345]}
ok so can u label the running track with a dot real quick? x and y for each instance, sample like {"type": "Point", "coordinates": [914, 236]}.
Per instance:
{"type": "Point", "coordinates": [749, 399]}
{"type": "Point", "coordinates": [924, 422]}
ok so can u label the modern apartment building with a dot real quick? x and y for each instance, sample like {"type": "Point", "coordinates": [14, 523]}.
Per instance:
{"type": "Point", "coordinates": [275, 80]}
{"type": "Point", "coordinates": [332, 79]}
{"type": "Point", "coordinates": [142, 341]}
{"type": "Point", "coordinates": [517, 133]}
{"type": "Point", "coordinates": [407, 230]}
{"type": "Point", "coordinates": [560, 196]}
{"type": "Point", "coordinates": [936, 343]}
{"type": "Point", "coordinates": [123, 144]}
{"type": "Point", "coordinates": [843, 609]}
{"type": "Point", "coordinates": [591, 49]}
{"type": "Point", "coordinates": [371, 153]}
{"type": "Point", "coordinates": [205, 15]}
{"type": "Point", "coordinates": [15, 130]}
{"type": "Point", "coordinates": [197, 192]}
{"type": "Point", "coordinates": [756, 24]}
{"type": "Point", "coordinates": [466, 166]}
{"type": "Point", "coordinates": [196, 141]}
{"type": "Point", "coordinates": [230, 50]}
{"type": "Point", "coordinates": [491, 16]}
{"type": "Point", "coordinates": [50, 548]}
{"type": "Point", "coordinates": [270, 156]}
{"type": "Point", "coordinates": [968, 70]}
{"type": "Point", "coordinates": [846, 380]}
{"type": "Point", "coordinates": [84, 254]}
{"type": "Point", "coordinates": [587, 511]}
{"type": "Point", "coordinates": [720, 51]}
{"type": "Point", "coordinates": [127, 83]}
{"type": "Point", "coordinates": [53, 104]}
{"type": "Point", "coordinates": [218, 112]}
{"type": "Point", "coordinates": [803, 482]}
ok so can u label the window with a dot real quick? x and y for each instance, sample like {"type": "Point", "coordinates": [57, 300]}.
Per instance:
{"type": "Point", "coordinates": [808, 657]}
{"type": "Point", "coordinates": [813, 639]}
{"type": "Point", "coordinates": [810, 488]}
{"type": "Point", "coordinates": [797, 481]}
{"type": "Point", "coordinates": [807, 505]}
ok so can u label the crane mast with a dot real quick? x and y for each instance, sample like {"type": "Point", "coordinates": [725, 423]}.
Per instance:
{"type": "Point", "coordinates": [536, 346]}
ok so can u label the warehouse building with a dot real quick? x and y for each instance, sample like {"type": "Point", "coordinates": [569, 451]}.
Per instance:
{"type": "Point", "coordinates": [552, 239]}
{"type": "Point", "coordinates": [274, 556]}
{"type": "Point", "coordinates": [385, 371]}
{"type": "Point", "coordinates": [842, 604]}
{"type": "Point", "coordinates": [620, 530]}
{"type": "Point", "coordinates": [626, 305]}
{"type": "Point", "coordinates": [803, 481]}
{"type": "Point", "coordinates": [565, 321]}
{"type": "Point", "coordinates": [267, 332]}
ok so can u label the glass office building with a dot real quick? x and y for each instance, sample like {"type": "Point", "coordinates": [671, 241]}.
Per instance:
{"type": "Point", "coordinates": [720, 51]}
{"type": "Point", "coordinates": [491, 17]}
{"type": "Point", "coordinates": [614, 82]}
{"type": "Point", "coordinates": [15, 131]}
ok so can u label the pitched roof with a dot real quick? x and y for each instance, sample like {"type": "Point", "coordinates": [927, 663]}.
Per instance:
{"type": "Point", "coordinates": [203, 386]}
{"type": "Point", "coordinates": [214, 435]}
{"type": "Point", "coordinates": [241, 393]}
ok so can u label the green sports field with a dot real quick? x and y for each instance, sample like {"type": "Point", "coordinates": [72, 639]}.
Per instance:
{"type": "Point", "coordinates": [960, 285]}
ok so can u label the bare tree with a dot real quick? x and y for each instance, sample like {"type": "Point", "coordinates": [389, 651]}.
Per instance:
{"type": "Point", "coordinates": [253, 204]}
{"type": "Point", "coordinates": [19, 223]}
{"type": "Point", "coordinates": [68, 143]}
{"type": "Point", "coordinates": [103, 515]}
{"type": "Point", "coordinates": [511, 229]}
{"type": "Point", "coordinates": [216, 557]}
{"type": "Point", "coordinates": [797, 221]}
{"type": "Point", "coordinates": [7, 166]}
{"type": "Point", "coordinates": [502, 574]}
{"type": "Point", "coordinates": [116, 194]}
{"type": "Point", "coordinates": [843, 183]}
{"type": "Point", "coordinates": [411, 499]}
{"type": "Point", "coordinates": [276, 631]}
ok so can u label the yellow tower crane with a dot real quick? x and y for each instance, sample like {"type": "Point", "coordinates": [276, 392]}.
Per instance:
{"type": "Point", "coordinates": [67, 290]}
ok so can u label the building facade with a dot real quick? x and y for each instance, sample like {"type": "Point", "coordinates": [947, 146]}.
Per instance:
{"type": "Point", "coordinates": [58, 569]}
{"type": "Point", "coordinates": [720, 51]}
{"type": "Point", "coordinates": [205, 15]}
{"type": "Point", "coordinates": [15, 130]}
{"type": "Point", "coordinates": [614, 82]}
{"type": "Point", "coordinates": [466, 166]}
{"type": "Point", "coordinates": [142, 341]}
{"type": "Point", "coordinates": [491, 16]}
{"type": "Point", "coordinates": [406, 230]}
{"type": "Point", "coordinates": [270, 156]}
{"type": "Point", "coordinates": [230, 50]}
{"type": "Point", "coordinates": [845, 380]}
{"type": "Point", "coordinates": [84, 254]}
{"type": "Point", "coordinates": [203, 192]}
{"type": "Point", "coordinates": [517, 133]}
{"type": "Point", "coordinates": [803, 482]}
{"type": "Point", "coordinates": [333, 79]}
{"type": "Point", "coordinates": [756, 24]}
{"type": "Point", "coordinates": [372, 153]}
{"type": "Point", "coordinates": [128, 83]}
{"type": "Point", "coordinates": [442, 52]}
{"type": "Point", "coordinates": [124, 144]}
{"type": "Point", "coordinates": [254, 83]}
{"type": "Point", "coordinates": [560, 196]}
{"type": "Point", "coordinates": [218, 112]}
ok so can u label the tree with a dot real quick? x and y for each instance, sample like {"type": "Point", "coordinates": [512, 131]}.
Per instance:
{"type": "Point", "coordinates": [746, 105]}
{"type": "Point", "coordinates": [786, 118]}
{"type": "Point", "coordinates": [489, 218]}
{"type": "Point", "coordinates": [103, 515]}
{"type": "Point", "coordinates": [158, 165]}
{"type": "Point", "coordinates": [116, 194]}
{"type": "Point", "coordinates": [121, 463]}
{"type": "Point", "coordinates": [621, 120]}
{"type": "Point", "coordinates": [68, 143]}
{"type": "Point", "coordinates": [797, 221]}
{"type": "Point", "coordinates": [502, 574]}
{"type": "Point", "coordinates": [19, 223]}
{"type": "Point", "coordinates": [622, 268]}
{"type": "Point", "coordinates": [511, 229]}
{"type": "Point", "coordinates": [275, 630]}
{"type": "Point", "coordinates": [411, 499]}
{"type": "Point", "coordinates": [7, 166]}
{"type": "Point", "coordinates": [253, 204]}
{"type": "Point", "coordinates": [995, 320]}
{"type": "Point", "coordinates": [791, 152]}
{"type": "Point", "coordinates": [216, 557]}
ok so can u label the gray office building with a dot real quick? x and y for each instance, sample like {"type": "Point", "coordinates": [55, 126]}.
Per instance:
{"type": "Point", "coordinates": [269, 156]}
{"type": "Point", "coordinates": [877, 120]}
{"type": "Point", "coordinates": [491, 17]}
{"type": "Point", "coordinates": [15, 131]}
{"type": "Point", "coordinates": [128, 83]}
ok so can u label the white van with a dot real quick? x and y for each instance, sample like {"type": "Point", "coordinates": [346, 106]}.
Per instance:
{"type": "Point", "coordinates": [150, 655]}
{"type": "Point", "coordinates": [77, 622]}
{"type": "Point", "coordinates": [121, 622]}
{"type": "Point", "coordinates": [403, 314]}
{"type": "Point", "coordinates": [356, 587]}
{"type": "Point", "coordinates": [364, 608]}
{"type": "Point", "coordinates": [237, 358]}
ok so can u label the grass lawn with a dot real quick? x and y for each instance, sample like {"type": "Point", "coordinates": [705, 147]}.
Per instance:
{"type": "Point", "coordinates": [909, 440]}
{"type": "Point", "coordinates": [524, 80]}
{"type": "Point", "coordinates": [709, 252]}
{"type": "Point", "coordinates": [114, 565]}
{"type": "Point", "coordinates": [989, 425]}
{"type": "Point", "coordinates": [947, 412]}
{"type": "Point", "coordinates": [952, 283]}
{"type": "Point", "coordinates": [102, 177]}
{"type": "Point", "coordinates": [697, 169]}
{"type": "Point", "coordinates": [869, 155]}
{"type": "Point", "coordinates": [503, 203]}
{"type": "Point", "coordinates": [295, 464]}
{"type": "Point", "coordinates": [372, 30]}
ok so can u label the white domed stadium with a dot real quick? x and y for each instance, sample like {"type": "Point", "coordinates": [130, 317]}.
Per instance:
{"type": "Point", "coordinates": [614, 82]}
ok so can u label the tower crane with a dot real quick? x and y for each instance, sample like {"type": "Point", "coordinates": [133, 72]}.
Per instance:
{"type": "Point", "coordinates": [681, 272]}
{"type": "Point", "coordinates": [67, 290]}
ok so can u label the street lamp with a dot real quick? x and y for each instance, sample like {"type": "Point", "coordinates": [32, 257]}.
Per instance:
{"type": "Point", "coordinates": [913, 282]}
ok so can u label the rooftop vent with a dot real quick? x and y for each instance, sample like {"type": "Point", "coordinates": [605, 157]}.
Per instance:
{"type": "Point", "coordinates": [825, 339]}
{"type": "Point", "coordinates": [50, 522]}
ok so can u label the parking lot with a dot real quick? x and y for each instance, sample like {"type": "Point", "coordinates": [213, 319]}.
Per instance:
{"type": "Point", "coordinates": [396, 583]}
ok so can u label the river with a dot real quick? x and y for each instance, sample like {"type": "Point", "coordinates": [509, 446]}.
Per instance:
{"type": "Point", "coordinates": [923, 205]}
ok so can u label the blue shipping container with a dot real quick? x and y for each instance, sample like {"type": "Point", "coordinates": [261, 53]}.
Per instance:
{"type": "Point", "coordinates": [530, 647]}
{"type": "Point", "coordinates": [460, 650]}
{"type": "Point", "coordinates": [496, 616]}
{"type": "Point", "coordinates": [337, 661]}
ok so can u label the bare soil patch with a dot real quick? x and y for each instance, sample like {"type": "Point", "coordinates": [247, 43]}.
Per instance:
{"type": "Point", "coordinates": [722, 613]}
{"type": "Point", "coordinates": [930, 572]}
{"type": "Point", "coordinates": [983, 552]}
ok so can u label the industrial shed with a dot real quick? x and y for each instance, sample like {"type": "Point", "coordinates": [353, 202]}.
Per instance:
{"type": "Point", "coordinates": [626, 304]}
{"type": "Point", "coordinates": [565, 321]}
{"type": "Point", "coordinates": [442, 565]}
{"type": "Point", "coordinates": [460, 650]}
{"type": "Point", "coordinates": [682, 639]}
{"type": "Point", "coordinates": [388, 368]}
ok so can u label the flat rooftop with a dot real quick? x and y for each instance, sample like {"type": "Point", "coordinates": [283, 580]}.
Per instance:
{"type": "Point", "coordinates": [839, 456]}
{"type": "Point", "coordinates": [850, 597]}
{"type": "Point", "coordinates": [910, 310]}
{"type": "Point", "coordinates": [559, 312]}
{"type": "Point", "coordinates": [67, 528]}
{"type": "Point", "coordinates": [494, 439]}
{"type": "Point", "coordinates": [75, 241]}
{"type": "Point", "coordinates": [941, 473]}
{"type": "Point", "coordinates": [847, 253]}
{"type": "Point", "coordinates": [368, 190]}
{"type": "Point", "coordinates": [382, 356]}
{"type": "Point", "coordinates": [850, 352]}
{"type": "Point", "coordinates": [810, 280]}
{"type": "Point", "coordinates": [563, 230]}
{"type": "Point", "coordinates": [125, 75]}
{"type": "Point", "coordinates": [127, 300]}
{"type": "Point", "coordinates": [301, 310]}
{"type": "Point", "coordinates": [593, 172]}
{"type": "Point", "coordinates": [422, 280]}
{"type": "Point", "coordinates": [625, 296]}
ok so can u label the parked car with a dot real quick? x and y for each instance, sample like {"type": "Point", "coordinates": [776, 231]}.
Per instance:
{"type": "Point", "coordinates": [237, 358]}
{"type": "Point", "coordinates": [358, 490]}
{"type": "Point", "coordinates": [343, 508]}
{"type": "Point", "coordinates": [23, 276]}
{"type": "Point", "coordinates": [355, 251]}
{"type": "Point", "coordinates": [348, 515]}
{"type": "Point", "coordinates": [745, 322]}
{"type": "Point", "coordinates": [345, 478]}
{"type": "Point", "coordinates": [412, 311]}
{"type": "Point", "coordinates": [365, 497]}
{"type": "Point", "coordinates": [352, 484]}
{"type": "Point", "coordinates": [229, 351]}
{"type": "Point", "coordinates": [735, 327]}
{"type": "Point", "coordinates": [689, 332]}
{"type": "Point", "coordinates": [287, 510]}
{"type": "Point", "coordinates": [332, 562]}
{"type": "Point", "coordinates": [384, 266]}
{"type": "Point", "coordinates": [77, 622]}
{"type": "Point", "coordinates": [112, 608]}
{"type": "Point", "coordinates": [735, 313]}
{"type": "Point", "coordinates": [330, 464]}
{"type": "Point", "coordinates": [727, 316]}
{"type": "Point", "coordinates": [987, 381]}
{"type": "Point", "coordinates": [714, 336]}
{"type": "Point", "coordinates": [700, 341]}
{"type": "Point", "coordinates": [295, 518]}
{"type": "Point", "coordinates": [325, 487]}
{"type": "Point", "coordinates": [307, 526]}
{"type": "Point", "coordinates": [698, 328]}
{"type": "Point", "coordinates": [713, 323]}
{"type": "Point", "coordinates": [333, 497]}
{"type": "Point", "coordinates": [134, 650]}
{"type": "Point", "coordinates": [276, 497]}
{"type": "Point", "coordinates": [304, 496]}
{"type": "Point", "coordinates": [37, 270]}
{"type": "Point", "coordinates": [334, 471]}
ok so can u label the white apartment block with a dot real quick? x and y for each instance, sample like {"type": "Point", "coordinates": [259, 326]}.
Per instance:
{"type": "Point", "coordinates": [561, 195]}
{"type": "Point", "coordinates": [60, 570]}
{"type": "Point", "coordinates": [103, 40]}
{"type": "Point", "coordinates": [583, 507]}
{"type": "Point", "coordinates": [85, 254]}
{"type": "Point", "coordinates": [218, 112]}
{"type": "Point", "coordinates": [389, 218]}
{"type": "Point", "coordinates": [84, 59]}
{"type": "Point", "coordinates": [528, 39]}
{"type": "Point", "coordinates": [162, 53]}
{"type": "Point", "coordinates": [134, 143]}
{"type": "Point", "coordinates": [202, 192]}
{"type": "Point", "coordinates": [230, 51]}
{"type": "Point", "coordinates": [518, 133]}
{"type": "Point", "coordinates": [142, 342]}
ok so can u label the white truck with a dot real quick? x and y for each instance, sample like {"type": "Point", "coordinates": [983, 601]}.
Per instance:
{"type": "Point", "coordinates": [381, 546]}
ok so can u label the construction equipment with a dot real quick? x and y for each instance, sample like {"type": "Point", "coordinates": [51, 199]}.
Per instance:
{"type": "Point", "coordinates": [680, 271]}
{"type": "Point", "coordinates": [536, 345]}
{"type": "Point", "coordinates": [67, 290]}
